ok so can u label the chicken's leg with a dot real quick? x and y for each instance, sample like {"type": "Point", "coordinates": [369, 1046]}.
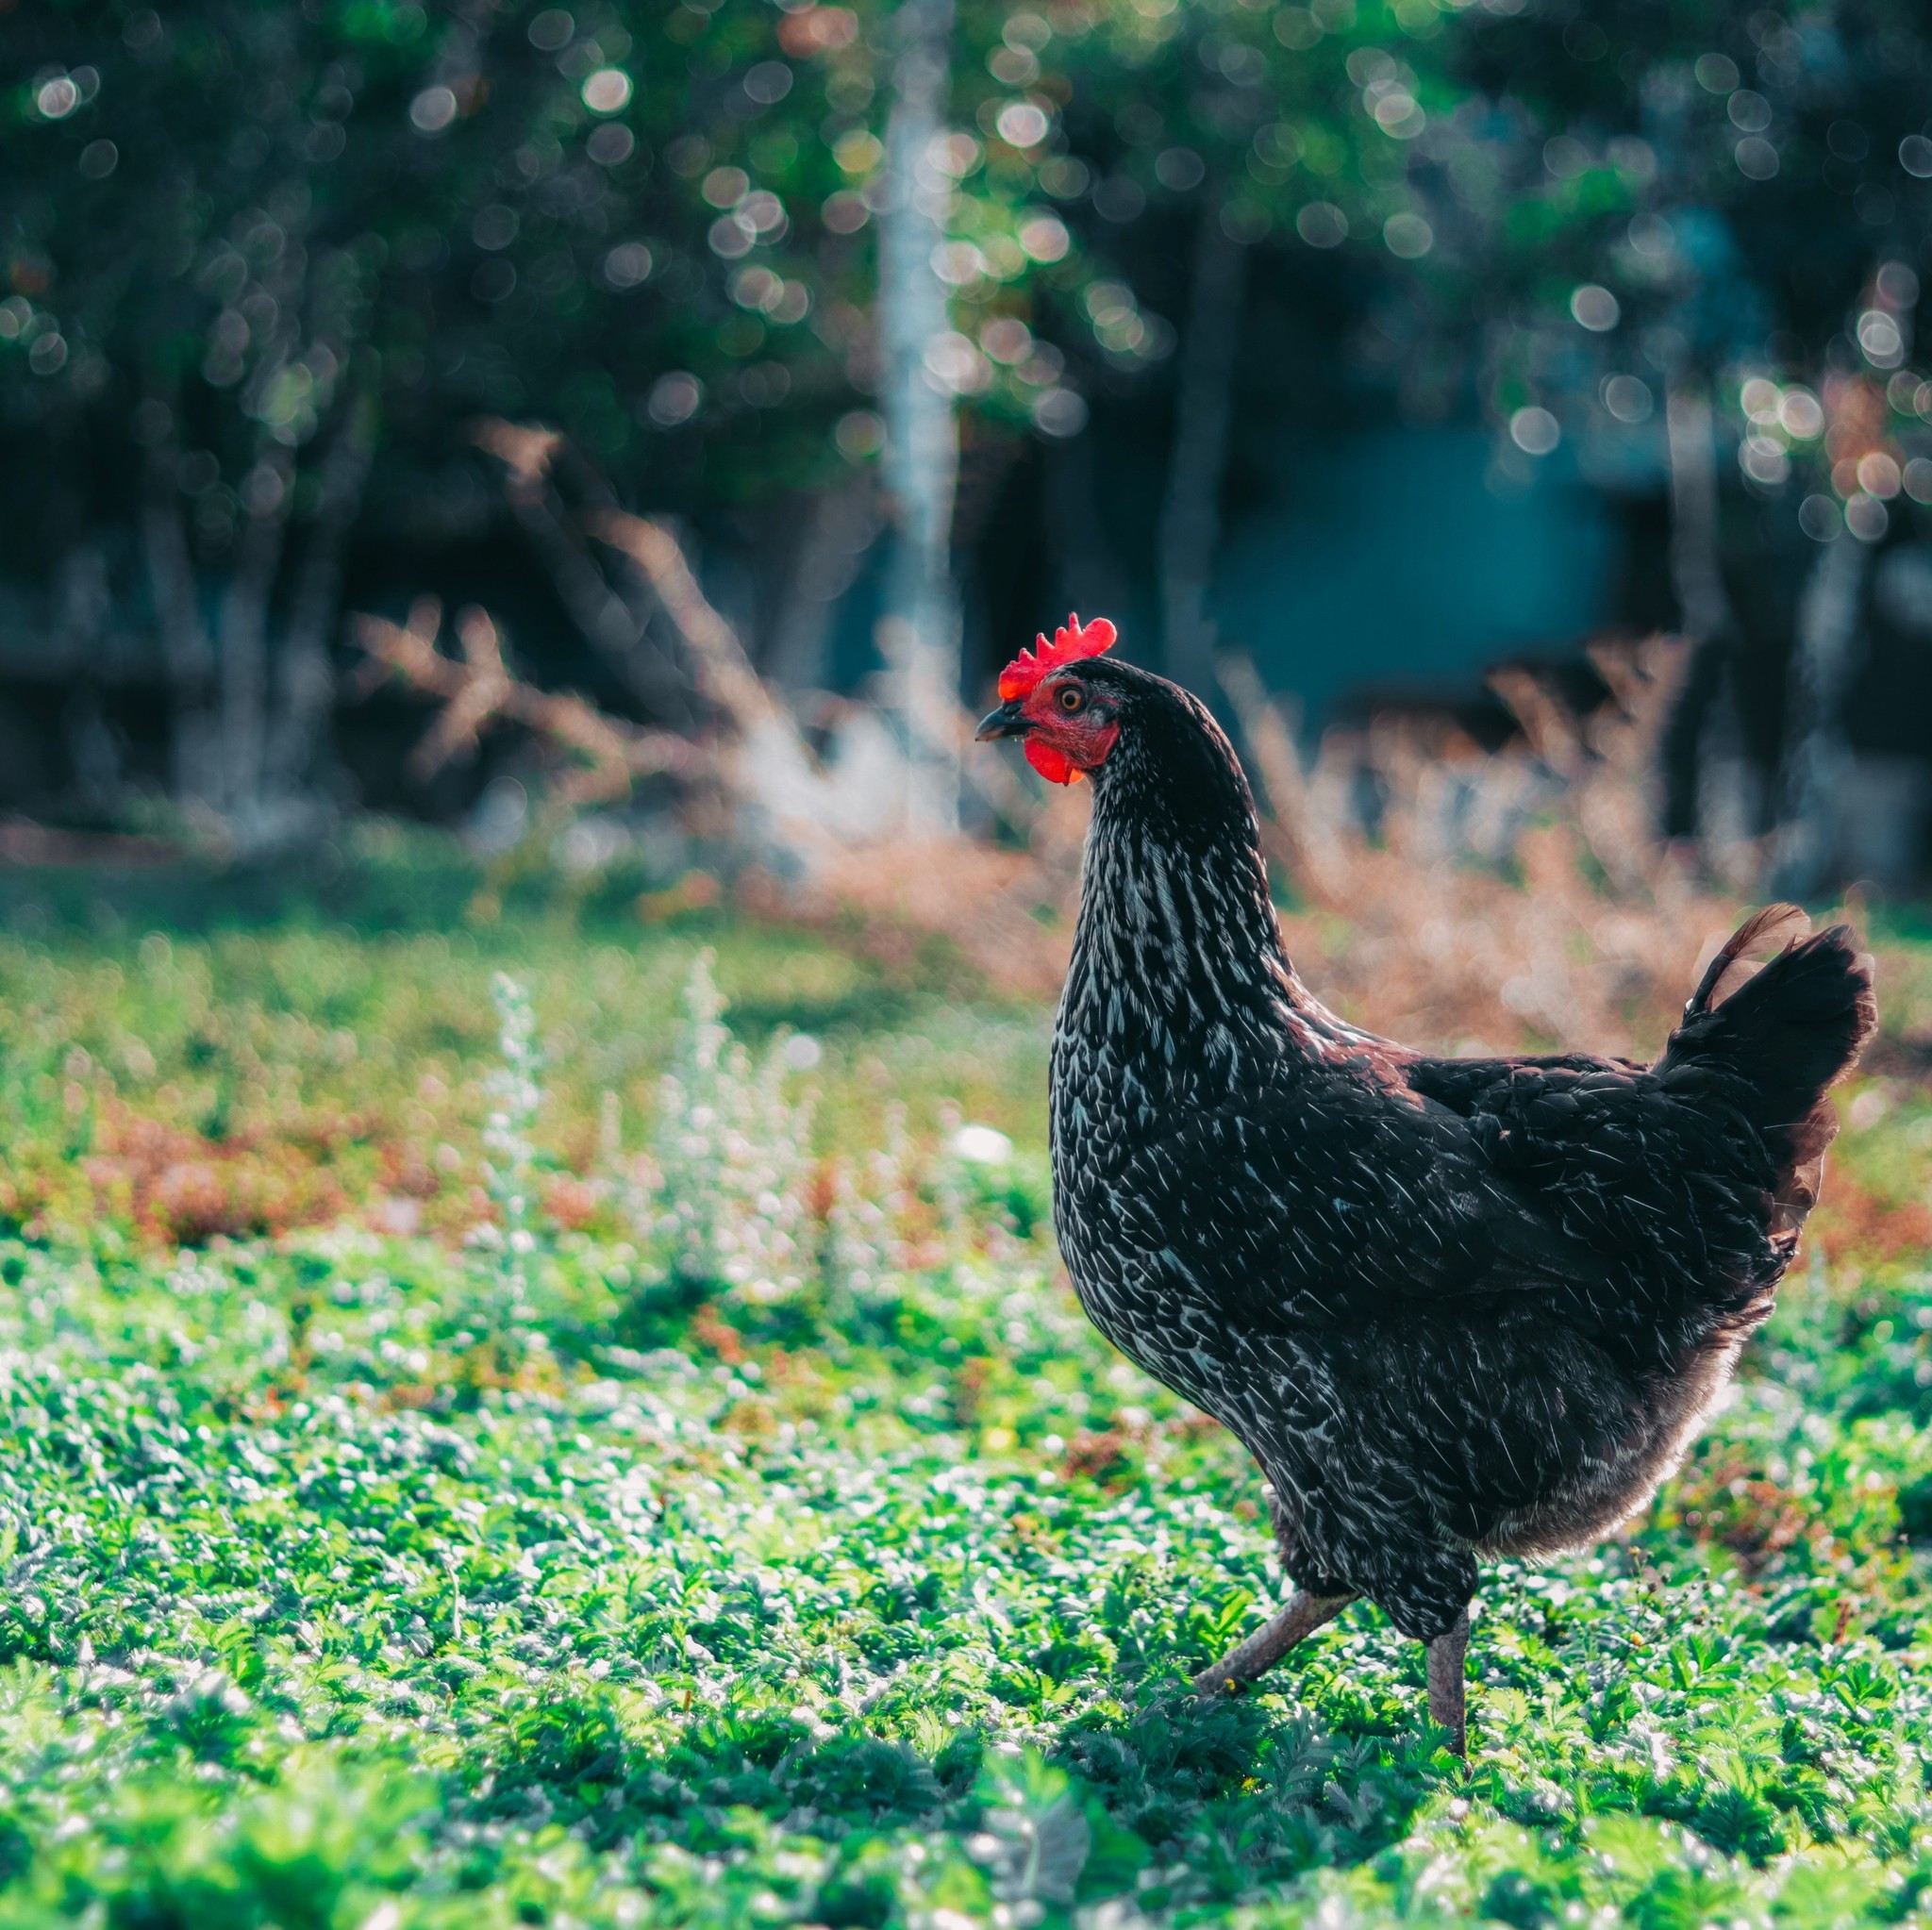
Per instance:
{"type": "Point", "coordinates": [1446, 1682]}
{"type": "Point", "coordinates": [1303, 1616]}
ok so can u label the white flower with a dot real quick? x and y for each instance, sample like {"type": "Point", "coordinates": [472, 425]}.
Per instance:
{"type": "Point", "coordinates": [982, 1145]}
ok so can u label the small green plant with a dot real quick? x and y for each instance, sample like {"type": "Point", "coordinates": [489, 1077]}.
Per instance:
{"type": "Point", "coordinates": [733, 1154]}
{"type": "Point", "coordinates": [864, 1221]}
{"type": "Point", "coordinates": [515, 1096]}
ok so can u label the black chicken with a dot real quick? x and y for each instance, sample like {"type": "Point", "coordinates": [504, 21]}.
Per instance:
{"type": "Point", "coordinates": [1455, 1308]}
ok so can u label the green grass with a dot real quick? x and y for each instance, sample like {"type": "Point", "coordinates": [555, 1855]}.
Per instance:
{"type": "Point", "coordinates": [245, 1076]}
{"type": "Point", "coordinates": [347, 1586]}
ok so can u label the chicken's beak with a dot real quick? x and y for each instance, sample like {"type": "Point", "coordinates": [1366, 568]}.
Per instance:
{"type": "Point", "coordinates": [1005, 722]}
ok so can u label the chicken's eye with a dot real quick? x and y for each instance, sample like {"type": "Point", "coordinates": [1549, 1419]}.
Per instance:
{"type": "Point", "coordinates": [1073, 698]}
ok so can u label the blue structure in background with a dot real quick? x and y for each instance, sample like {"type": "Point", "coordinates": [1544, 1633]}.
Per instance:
{"type": "Point", "coordinates": [1397, 562]}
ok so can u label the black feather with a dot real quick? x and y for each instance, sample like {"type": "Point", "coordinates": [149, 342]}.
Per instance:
{"type": "Point", "coordinates": [1452, 1307]}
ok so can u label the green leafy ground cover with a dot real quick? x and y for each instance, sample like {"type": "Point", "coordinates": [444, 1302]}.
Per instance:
{"type": "Point", "coordinates": [741, 1526]}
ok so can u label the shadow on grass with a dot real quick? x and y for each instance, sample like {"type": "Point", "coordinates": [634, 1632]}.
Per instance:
{"type": "Point", "coordinates": [1242, 1795]}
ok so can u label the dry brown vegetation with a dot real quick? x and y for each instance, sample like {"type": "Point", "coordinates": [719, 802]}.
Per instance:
{"type": "Point", "coordinates": [1511, 901]}
{"type": "Point", "coordinates": [1506, 901]}
{"type": "Point", "coordinates": [1517, 899]}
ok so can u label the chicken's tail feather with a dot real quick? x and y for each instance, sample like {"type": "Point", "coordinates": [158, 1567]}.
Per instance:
{"type": "Point", "coordinates": [1733, 963]}
{"type": "Point", "coordinates": [1785, 1032]}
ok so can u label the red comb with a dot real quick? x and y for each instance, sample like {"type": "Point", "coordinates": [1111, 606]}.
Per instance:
{"type": "Point", "coordinates": [1069, 645]}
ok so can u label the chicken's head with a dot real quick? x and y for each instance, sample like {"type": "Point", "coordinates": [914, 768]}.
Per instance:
{"type": "Point", "coordinates": [1070, 722]}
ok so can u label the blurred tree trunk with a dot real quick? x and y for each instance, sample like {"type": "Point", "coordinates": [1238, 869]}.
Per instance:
{"type": "Point", "coordinates": [304, 690]}
{"type": "Point", "coordinates": [1204, 407]}
{"type": "Point", "coordinates": [83, 602]}
{"type": "Point", "coordinates": [919, 634]}
{"type": "Point", "coordinates": [245, 631]}
{"type": "Point", "coordinates": [1695, 571]}
{"type": "Point", "coordinates": [194, 751]}
{"type": "Point", "coordinates": [837, 528]}
{"type": "Point", "coordinates": [267, 495]}
{"type": "Point", "coordinates": [1816, 753]}
{"type": "Point", "coordinates": [1724, 808]}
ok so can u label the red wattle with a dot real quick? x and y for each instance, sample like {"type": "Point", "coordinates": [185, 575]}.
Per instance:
{"type": "Point", "coordinates": [1055, 766]}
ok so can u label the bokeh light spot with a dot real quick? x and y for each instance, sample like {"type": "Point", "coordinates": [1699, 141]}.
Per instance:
{"type": "Point", "coordinates": [675, 398]}
{"type": "Point", "coordinates": [1007, 339]}
{"type": "Point", "coordinates": [57, 98]}
{"type": "Point", "coordinates": [957, 263]}
{"type": "Point", "coordinates": [858, 434]}
{"type": "Point", "coordinates": [1801, 413]}
{"type": "Point", "coordinates": [1866, 517]}
{"type": "Point", "coordinates": [953, 157]}
{"type": "Point", "coordinates": [1064, 178]}
{"type": "Point", "coordinates": [1763, 460]}
{"type": "Point", "coordinates": [1535, 431]}
{"type": "Point", "coordinates": [627, 264]}
{"type": "Point", "coordinates": [1322, 224]}
{"type": "Point", "coordinates": [845, 212]}
{"type": "Point", "coordinates": [1021, 124]}
{"type": "Point", "coordinates": [1716, 73]}
{"type": "Point", "coordinates": [1408, 235]}
{"type": "Point", "coordinates": [857, 152]}
{"type": "Point", "coordinates": [1820, 519]}
{"type": "Point", "coordinates": [954, 366]}
{"type": "Point", "coordinates": [494, 227]}
{"type": "Point", "coordinates": [1058, 412]}
{"type": "Point", "coordinates": [768, 83]}
{"type": "Point", "coordinates": [1044, 238]}
{"type": "Point", "coordinates": [611, 144]}
{"type": "Point", "coordinates": [1878, 474]}
{"type": "Point", "coordinates": [1898, 285]}
{"type": "Point", "coordinates": [1880, 337]}
{"type": "Point", "coordinates": [433, 110]}
{"type": "Point", "coordinates": [607, 90]}
{"type": "Point", "coordinates": [1595, 308]}
{"type": "Point", "coordinates": [1628, 398]}
{"type": "Point", "coordinates": [1180, 169]}
{"type": "Point", "coordinates": [764, 213]}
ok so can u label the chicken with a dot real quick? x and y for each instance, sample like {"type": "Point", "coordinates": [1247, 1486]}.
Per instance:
{"type": "Point", "coordinates": [1454, 1308]}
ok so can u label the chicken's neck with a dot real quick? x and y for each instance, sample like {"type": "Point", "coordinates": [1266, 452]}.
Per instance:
{"type": "Point", "coordinates": [1178, 984]}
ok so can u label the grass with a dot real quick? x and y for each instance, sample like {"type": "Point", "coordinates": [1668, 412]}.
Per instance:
{"type": "Point", "coordinates": [751, 1530]}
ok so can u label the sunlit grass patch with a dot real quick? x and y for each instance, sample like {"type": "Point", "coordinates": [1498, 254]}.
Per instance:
{"type": "Point", "coordinates": [773, 1540]}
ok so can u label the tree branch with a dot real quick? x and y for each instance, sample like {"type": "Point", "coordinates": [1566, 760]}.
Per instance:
{"type": "Point", "coordinates": [605, 620]}
{"type": "Point", "coordinates": [724, 669]}
{"type": "Point", "coordinates": [478, 689]}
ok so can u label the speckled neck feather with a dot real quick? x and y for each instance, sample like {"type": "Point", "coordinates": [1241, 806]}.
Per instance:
{"type": "Point", "coordinates": [1179, 976]}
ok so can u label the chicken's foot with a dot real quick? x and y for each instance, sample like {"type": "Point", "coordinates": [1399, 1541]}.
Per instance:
{"type": "Point", "coordinates": [1303, 1616]}
{"type": "Point", "coordinates": [1446, 1697]}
